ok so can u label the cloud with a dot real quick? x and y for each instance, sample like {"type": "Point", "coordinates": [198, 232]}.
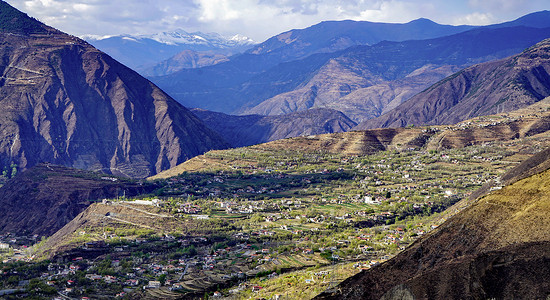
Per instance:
{"type": "Point", "coordinates": [258, 19]}
{"type": "Point", "coordinates": [498, 5]}
{"type": "Point", "coordinates": [475, 19]}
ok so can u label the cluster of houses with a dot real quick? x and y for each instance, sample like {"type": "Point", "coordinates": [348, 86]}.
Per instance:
{"type": "Point", "coordinates": [15, 247]}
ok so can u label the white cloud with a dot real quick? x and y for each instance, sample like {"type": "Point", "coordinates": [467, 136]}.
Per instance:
{"type": "Point", "coordinates": [498, 5]}
{"type": "Point", "coordinates": [475, 19]}
{"type": "Point", "coordinates": [258, 19]}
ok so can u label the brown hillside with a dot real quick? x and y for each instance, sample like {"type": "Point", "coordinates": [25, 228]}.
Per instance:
{"type": "Point", "coordinates": [533, 121]}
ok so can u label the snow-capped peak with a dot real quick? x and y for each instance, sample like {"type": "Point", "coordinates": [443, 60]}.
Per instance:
{"type": "Point", "coordinates": [241, 39]}
{"type": "Point", "coordinates": [182, 37]}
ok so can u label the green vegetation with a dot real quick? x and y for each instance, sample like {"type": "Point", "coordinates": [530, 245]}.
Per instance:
{"type": "Point", "coordinates": [14, 21]}
{"type": "Point", "coordinates": [281, 220]}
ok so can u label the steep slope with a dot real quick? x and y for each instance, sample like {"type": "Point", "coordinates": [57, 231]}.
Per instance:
{"type": "Point", "coordinates": [336, 86]}
{"type": "Point", "coordinates": [488, 88]}
{"type": "Point", "coordinates": [496, 248]}
{"type": "Point", "coordinates": [44, 198]}
{"type": "Point", "coordinates": [67, 103]}
{"type": "Point", "coordinates": [255, 129]}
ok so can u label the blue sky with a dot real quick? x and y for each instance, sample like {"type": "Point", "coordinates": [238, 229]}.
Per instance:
{"type": "Point", "coordinates": [259, 19]}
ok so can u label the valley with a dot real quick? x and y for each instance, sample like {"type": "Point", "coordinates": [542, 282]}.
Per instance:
{"type": "Point", "coordinates": [260, 221]}
{"type": "Point", "coordinates": [344, 160]}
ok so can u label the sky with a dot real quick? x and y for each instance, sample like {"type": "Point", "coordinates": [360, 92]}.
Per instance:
{"type": "Point", "coordinates": [259, 19]}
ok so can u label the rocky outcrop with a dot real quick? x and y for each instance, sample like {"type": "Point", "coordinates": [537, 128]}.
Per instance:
{"type": "Point", "coordinates": [67, 103]}
{"type": "Point", "coordinates": [489, 88]}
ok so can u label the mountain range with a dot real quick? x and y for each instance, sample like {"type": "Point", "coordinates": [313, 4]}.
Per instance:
{"type": "Point", "coordinates": [319, 191]}
{"type": "Point", "coordinates": [166, 52]}
{"type": "Point", "coordinates": [362, 81]}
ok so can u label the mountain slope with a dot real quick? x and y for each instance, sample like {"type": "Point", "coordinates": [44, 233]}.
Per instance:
{"type": "Point", "coordinates": [190, 86]}
{"type": "Point", "coordinates": [187, 59]}
{"type": "Point", "coordinates": [44, 198]}
{"type": "Point", "coordinates": [331, 36]}
{"type": "Point", "coordinates": [495, 248]}
{"type": "Point", "coordinates": [488, 88]}
{"type": "Point", "coordinates": [255, 129]}
{"type": "Point", "coordinates": [67, 103]}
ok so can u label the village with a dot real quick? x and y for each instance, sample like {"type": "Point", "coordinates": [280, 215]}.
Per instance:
{"type": "Point", "coordinates": [257, 222]}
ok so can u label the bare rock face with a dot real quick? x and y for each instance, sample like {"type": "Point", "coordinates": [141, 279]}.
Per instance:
{"type": "Point", "coordinates": [65, 102]}
{"type": "Point", "coordinates": [489, 88]}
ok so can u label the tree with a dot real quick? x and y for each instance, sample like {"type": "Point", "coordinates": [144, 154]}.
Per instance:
{"type": "Point", "coordinates": [162, 279]}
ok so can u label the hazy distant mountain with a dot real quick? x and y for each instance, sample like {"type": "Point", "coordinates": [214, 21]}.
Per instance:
{"type": "Point", "coordinates": [331, 36]}
{"type": "Point", "coordinates": [498, 86]}
{"type": "Point", "coordinates": [323, 79]}
{"type": "Point", "coordinates": [143, 52]}
{"type": "Point", "coordinates": [187, 59]}
{"type": "Point", "coordinates": [65, 102]}
{"type": "Point", "coordinates": [365, 82]}
{"type": "Point", "coordinates": [255, 129]}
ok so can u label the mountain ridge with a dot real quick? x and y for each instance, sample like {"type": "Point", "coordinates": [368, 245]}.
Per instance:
{"type": "Point", "coordinates": [247, 80]}
{"type": "Point", "coordinates": [497, 86]}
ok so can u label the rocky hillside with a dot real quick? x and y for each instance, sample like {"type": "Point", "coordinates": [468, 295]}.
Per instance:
{"type": "Point", "coordinates": [67, 103]}
{"type": "Point", "coordinates": [499, 86]}
{"type": "Point", "coordinates": [255, 129]}
{"type": "Point", "coordinates": [498, 248]}
{"type": "Point", "coordinates": [365, 82]}
{"type": "Point", "coordinates": [44, 198]}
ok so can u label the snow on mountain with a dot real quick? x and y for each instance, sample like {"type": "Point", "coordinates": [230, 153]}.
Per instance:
{"type": "Point", "coordinates": [142, 52]}
{"type": "Point", "coordinates": [180, 36]}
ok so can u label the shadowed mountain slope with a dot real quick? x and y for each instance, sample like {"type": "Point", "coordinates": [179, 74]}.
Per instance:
{"type": "Point", "coordinates": [255, 129]}
{"type": "Point", "coordinates": [44, 198]}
